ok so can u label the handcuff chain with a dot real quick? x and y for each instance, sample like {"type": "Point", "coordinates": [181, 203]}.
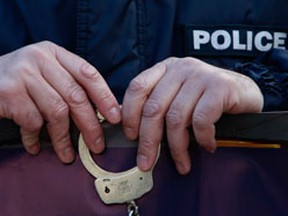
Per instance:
{"type": "Point", "coordinates": [133, 209]}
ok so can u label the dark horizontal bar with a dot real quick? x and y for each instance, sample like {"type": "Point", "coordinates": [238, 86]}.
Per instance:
{"type": "Point", "coordinates": [265, 127]}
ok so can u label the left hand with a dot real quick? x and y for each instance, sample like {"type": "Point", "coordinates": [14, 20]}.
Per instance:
{"type": "Point", "coordinates": [183, 91]}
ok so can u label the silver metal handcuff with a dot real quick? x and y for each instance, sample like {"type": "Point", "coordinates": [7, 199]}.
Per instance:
{"type": "Point", "coordinates": [120, 187]}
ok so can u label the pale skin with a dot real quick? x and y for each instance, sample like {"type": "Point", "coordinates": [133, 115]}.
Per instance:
{"type": "Point", "coordinates": [46, 83]}
{"type": "Point", "coordinates": [183, 92]}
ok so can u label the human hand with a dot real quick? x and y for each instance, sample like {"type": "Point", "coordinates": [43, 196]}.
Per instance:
{"type": "Point", "coordinates": [183, 92]}
{"type": "Point", "coordinates": [45, 83]}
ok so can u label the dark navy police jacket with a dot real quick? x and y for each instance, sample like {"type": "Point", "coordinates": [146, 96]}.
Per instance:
{"type": "Point", "coordinates": [121, 38]}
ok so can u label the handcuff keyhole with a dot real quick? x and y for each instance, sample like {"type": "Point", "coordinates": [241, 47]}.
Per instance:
{"type": "Point", "coordinates": [107, 190]}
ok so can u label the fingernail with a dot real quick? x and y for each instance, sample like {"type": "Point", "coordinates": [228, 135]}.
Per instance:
{"type": "Point", "coordinates": [69, 154]}
{"type": "Point", "coordinates": [211, 149]}
{"type": "Point", "coordinates": [34, 149]}
{"type": "Point", "coordinates": [114, 114]}
{"type": "Point", "coordinates": [88, 71]}
{"type": "Point", "coordinates": [98, 141]}
{"type": "Point", "coordinates": [98, 147]}
{"type": "Point", "coordinates": [182, 168]}
{"type": "Point", "coordinates": [142, 162]}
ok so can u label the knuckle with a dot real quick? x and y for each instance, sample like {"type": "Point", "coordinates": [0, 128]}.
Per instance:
{"type": "Point", "coordinates": [58, 112]}
{"type": "Point", "coordinates": [171, 60]}
{"type": "Point", "coordinates": [34, 122]}
{"type": "Point", "coordinates": [190, 60]}
{"type": "Point", "coordinates": [106, 97]}
{"type": "Point", "coordinates": [47, 46]}
{"type": "Point", "coordinates": [190, 64]}
{"type": "Point", "coordinates": [39, 51]}
{"type": "Point", "coordinates": [34, 57]}
{"type": "Point", "coordinates": [183, 65]}
{"type": "Point", "coordinates": [33, 51]}
{"type": "Point", "coordinates": [137, 85]}
{"type": "Point", "coordinates": [187, 63]}
{"type": "Point", "coordinates": [146, 145]}
{"type": "Point", "coordinates": [200, 121]}
{"type": "Point", "coordinates": [187, 60]}
{"type": "Point", "coordinates": [47, 43]}
{"type": "Point", "coordinates": [76, 95]}
{"type": "Point", "coordinates": [152, 108]}
{"type": "Point", "coordinates": [89, 72]}
{"type": "Point", "coordinates": [174, 119]}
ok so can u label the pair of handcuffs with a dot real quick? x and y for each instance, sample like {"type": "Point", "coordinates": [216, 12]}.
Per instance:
{"type": "Point", "coordinates": [117, 188]}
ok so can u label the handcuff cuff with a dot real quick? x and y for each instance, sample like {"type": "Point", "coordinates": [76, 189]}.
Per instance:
{"type": "Point", "coordinates": [121, 187]}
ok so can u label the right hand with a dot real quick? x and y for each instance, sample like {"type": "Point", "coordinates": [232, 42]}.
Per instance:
{"type": "Point", "coordinates": [45, 83]}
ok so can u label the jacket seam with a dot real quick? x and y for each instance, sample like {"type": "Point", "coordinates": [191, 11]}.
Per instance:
{"type": "Point", "coordinates": [141, 32]}
{"type": "Point", "coordinates": [82, 27]}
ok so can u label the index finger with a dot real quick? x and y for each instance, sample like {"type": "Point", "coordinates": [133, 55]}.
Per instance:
{"type": "Point", "coordinates": [92, 81]}
{"type": "Point", "coordinates": [134, 100]}
{"type": "Point", "coordinates": [135, 97]}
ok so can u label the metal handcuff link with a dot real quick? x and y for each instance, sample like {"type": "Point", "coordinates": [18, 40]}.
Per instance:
{"type": "Point", "coordinates": [120, 187]}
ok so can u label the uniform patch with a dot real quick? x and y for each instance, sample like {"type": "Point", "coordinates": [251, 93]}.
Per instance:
{"type": "Point", "coordinates": [234, 40]}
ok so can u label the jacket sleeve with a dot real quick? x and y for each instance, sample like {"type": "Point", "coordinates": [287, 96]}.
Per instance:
{"type": "Point", "coordinates": [270, 72]}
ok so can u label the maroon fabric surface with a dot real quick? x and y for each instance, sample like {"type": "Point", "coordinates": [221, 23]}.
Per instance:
{"type": "Point", "coordinates": [231, 182]}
